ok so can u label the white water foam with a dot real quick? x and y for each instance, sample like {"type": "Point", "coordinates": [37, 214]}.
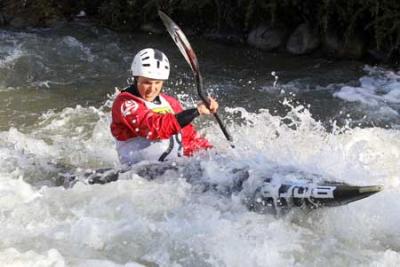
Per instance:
{"type": "Point", "coordinates": [13, 258]}
{"type": "Point", "coordinates": [73, 43]}
{"type": "Point", "coordinates": [10, 55]}
{"type": "Point", "coordinates": [165, 222]}
{"type": "Point", "coordinates": [379, 90]}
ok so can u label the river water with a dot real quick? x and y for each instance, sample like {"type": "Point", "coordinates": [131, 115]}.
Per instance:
{"type": "Point", "coordinates": [335, 119]}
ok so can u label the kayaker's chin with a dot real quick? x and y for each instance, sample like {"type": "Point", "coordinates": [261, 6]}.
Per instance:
{"type": "Point", "coordinates": [150, 97]}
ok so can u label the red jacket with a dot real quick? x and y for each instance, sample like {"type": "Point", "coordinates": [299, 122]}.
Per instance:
{"type": "Point", "coordinates": [132, 118]}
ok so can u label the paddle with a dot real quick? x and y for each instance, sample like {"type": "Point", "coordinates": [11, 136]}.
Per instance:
{"type": "Point", "coordinates": [184, 46]}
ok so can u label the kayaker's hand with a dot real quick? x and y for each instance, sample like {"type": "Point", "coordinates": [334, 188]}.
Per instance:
{"type": "Point", "coordinates": [203, 110]}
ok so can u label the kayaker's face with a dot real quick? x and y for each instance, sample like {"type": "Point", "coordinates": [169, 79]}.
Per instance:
{"type": "Point", "coordinates": [149, 89]}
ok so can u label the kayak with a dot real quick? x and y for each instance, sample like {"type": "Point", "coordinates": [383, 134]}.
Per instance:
{"type": "Point", "coordinates": [274, 197]}
{"type": "Point", "coordinates": [271, 196]}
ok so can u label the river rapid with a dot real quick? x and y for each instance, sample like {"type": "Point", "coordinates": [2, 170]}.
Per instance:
{"type": "Point", "coordinates": [288, 116]}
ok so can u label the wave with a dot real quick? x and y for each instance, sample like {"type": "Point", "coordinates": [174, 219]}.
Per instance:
{"type": "Point", "coordinates": [165, 221]}
{"type": "Point", "coordinates": [379, 90]}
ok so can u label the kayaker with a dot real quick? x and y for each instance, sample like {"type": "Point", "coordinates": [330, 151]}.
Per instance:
{"type": "Point", "coordinates": [150, 125]}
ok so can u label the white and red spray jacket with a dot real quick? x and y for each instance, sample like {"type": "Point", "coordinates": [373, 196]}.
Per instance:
{"type": "Point", "coordinates": [144, 129]}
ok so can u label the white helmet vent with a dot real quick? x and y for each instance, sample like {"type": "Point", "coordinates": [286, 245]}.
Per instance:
{"type": "Point", "coordinates": [151, 63]}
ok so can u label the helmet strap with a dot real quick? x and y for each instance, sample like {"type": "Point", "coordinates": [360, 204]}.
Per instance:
{"type": "Point", "coordinates": [130, 80]}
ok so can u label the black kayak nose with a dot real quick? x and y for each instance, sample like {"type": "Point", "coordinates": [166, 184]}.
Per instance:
{"type": "Point", "coordinates": [270, 198]}
{"type": "Point", "coordinates": [348, 193]}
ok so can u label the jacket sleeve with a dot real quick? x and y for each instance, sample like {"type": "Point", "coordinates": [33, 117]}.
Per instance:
{"type": "Point", "coordinates": [191, 140]}
{"type": "Point", "coordinates": [143, 122]}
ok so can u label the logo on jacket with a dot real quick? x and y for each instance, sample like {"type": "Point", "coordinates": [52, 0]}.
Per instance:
{"type": "Point", "coordinates": [162, 110]}
{"type": "Point", "coordinates": [129, 107]}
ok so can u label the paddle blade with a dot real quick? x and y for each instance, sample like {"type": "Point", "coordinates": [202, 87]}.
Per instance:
{"type": "Point", "coordinates": [184, 46]}
{"type": "Point", "coordinates": [181, 41]}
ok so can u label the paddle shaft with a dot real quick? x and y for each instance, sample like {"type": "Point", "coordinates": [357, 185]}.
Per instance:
{"type": "Point", "coordinates": [187, 51]}
{"type": "Point", "coordinates": [199, 83]}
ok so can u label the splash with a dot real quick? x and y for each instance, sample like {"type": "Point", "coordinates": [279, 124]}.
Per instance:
{"type": "Point", "coordinates": [168, 221]}
{"type": "Point", "coordinates": [379, 91]}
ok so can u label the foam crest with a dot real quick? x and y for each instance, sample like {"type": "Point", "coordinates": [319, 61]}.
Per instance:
{"type": "Point", "coordinates": [380, 89]}
{"type": "Point", "coordinates": [298, 141]}
{"type": "Point", "coordinates": [14, 192]}
{"type": "Point", "coordinates": [168, 222]}
{"type": "Point", "coordinates": [12, 257]}
{"type": "Point", "coordinates": [9, 55]}
{"type": "Point", "coordinates": [73, 43]}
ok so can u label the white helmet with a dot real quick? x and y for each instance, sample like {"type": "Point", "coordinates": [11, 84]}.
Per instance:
{"type": "Point", "coordinates": [151, 63]}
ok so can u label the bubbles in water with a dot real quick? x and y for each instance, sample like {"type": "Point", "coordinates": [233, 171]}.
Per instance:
{"type": "Point", "coordinates": [276, 77]}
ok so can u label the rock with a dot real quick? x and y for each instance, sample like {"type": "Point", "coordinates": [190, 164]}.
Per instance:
{"type": "Point", "coordinates": [81, 14]}
{"type": "Point", "coordinates": [354, 48]}
{"type": "Point", "coordinates": [267, 37]}
{"type": "Point", "coordinates": [378, 55]}
{"type": "Point", "coordinates": [303, 40]}
{"type": "Point", "coordinates": [225, 37]}
{"type": "Point", "coordinates": [3, 20]}
{"type": "Point", "coordinates": [54, 21]}
{"type": "Point", "coordinates": [331, 43]}
{"type": "Point", "coordinates": [18, 22]}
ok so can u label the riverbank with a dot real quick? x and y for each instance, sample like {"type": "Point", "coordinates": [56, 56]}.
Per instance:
{"type": "Point", "coordinates": [364, 30]}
